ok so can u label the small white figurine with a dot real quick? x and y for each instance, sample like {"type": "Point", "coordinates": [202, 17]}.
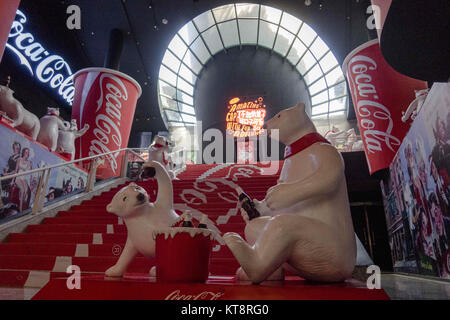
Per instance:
{"type": "Point", "coordinates": [66, 138]}
{"type": "Point", "coordinates": [308, 227]}
{"type": "Point", "coordinates": [159, 151]}
{"type": "Point", "coordinates": [142, 217]}
{"type": "Point", "coordinates": [414, 107]}
{"type": "Point", "coordinates": [50, 123]}
{"type": "Point", "coordinates": [23, 120]}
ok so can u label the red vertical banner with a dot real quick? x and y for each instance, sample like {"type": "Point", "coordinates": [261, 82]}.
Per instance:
{"type": "Point", "coordinates": [105, 100]}
{"type": "Point", "coordinates": [8, 10]}
{"type": "Point", "coordinates": [379, 95]}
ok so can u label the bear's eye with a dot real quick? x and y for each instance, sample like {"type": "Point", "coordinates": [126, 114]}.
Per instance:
{"type": "Point", "coordinates": [124, 198]}
{"type": "Point", "coordinates": [279, 115]}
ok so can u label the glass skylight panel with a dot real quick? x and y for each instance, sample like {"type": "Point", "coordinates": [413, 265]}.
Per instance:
{"type": "Point", "coordinates": [224, 13]}
{"type": "Point", "coordinates": [338, 90]}
{"type": "Point", "coordinates": [167, 75]}
{"type": "Point", "coordinates": [313, 74]}
{"type": "Point", "coordinates": [334, 76]}
{"type": "Point", "coordinates": [317, 86]}
{"type": "Point", "coordinates": [283, 42]}
{"type": "Point", "coordinates": [321, 108]}
{"type": "Point", "coordinates": [171, 61]}
{"type": "Point", "coordinates": [246, 10]}
{"type": "Point", "coordinates": [165, 89]}
{"type": "Point", "coordinates": [229, 33]}
{"type": "Point", "coordinates": [306, 63]}
{"type": "Point", "coordinates": [172, 116]}
{"type": "Point", "coordinates": [212, 39]}
{"type": "Point", "coordinates": [270, 14]}
{"type": "Point", "coordinates": [188, 118]}
{"type": "Point", "coordinates": [191, 61]}
{"type": "Point", "coordinates": [267, 33]}
{"type": "Point", "coordinates": [176, 124]}
{"type": "Point", "coordinates": [188, 33]}
{"type": "Point", "coordinates": [307, 34]}
{"type": "Point", "coordinates": [187, 74]}
{"type": "Point", "coordinates": [186, 108]}
{"type": "Point", "coordinates": [204, 21]}
{"type": "Point", "coordinates": [186, 87]}
{"type": "Point", "coordinates": [248, 30]}
{"type": "Point", "coordinates": [168, 103]}
{"type": "Point", "coordinates": [319, 98]}
{"type": "Point", "coordinates": [328, 62]}
{"type": "Point", "coordinates": [297, 50]}
{"type": "Point", "coordinates": [337, 105]}
{"type": "Point", "coordinates": [200, 50]}
{"type": "Point", "coordinates": [183, 97]}
{"type": "Point", "coordinates": [177, 46]}
{"type": "Point", "coordinates": [290, 23]}
{"type": "Point", "coordinates": [318, 48]}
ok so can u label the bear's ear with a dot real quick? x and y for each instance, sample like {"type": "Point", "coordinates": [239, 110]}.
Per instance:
{"type": "Point", "coordinates": [301, 106]}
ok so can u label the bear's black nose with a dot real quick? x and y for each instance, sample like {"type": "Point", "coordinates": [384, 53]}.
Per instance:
{"type": "Point", "coordinates": [141, 197]}
{"type": "Point", "coordinates": [148, 172]}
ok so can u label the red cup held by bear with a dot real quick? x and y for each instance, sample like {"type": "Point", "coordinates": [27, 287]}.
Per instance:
{"type": "Point", "coordinates": [182, 254]}
{"type": "Point", "coordinates": [106, 100]}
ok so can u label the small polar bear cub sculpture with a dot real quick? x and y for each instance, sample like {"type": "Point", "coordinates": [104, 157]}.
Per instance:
{"type": "Point", "coordinates": [142, 217]}
{"type": "Point", "coordinates": [306, 225]}
{"type": "Point", "coordinates": [66, 138]}
{"type": "Point", "coordinates": [159, 151]}
{"type": "Point", "coordinates": [50, 123]}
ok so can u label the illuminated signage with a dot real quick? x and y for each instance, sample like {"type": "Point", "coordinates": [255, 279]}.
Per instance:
{"type": "Point", "coordinates": [245, 118]}
{"type": "Point", "coordinates": [48, 68]}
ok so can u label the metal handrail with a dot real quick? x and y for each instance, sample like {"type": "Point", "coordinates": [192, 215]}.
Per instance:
{"type": "Point", "coordinates": [7, 177]}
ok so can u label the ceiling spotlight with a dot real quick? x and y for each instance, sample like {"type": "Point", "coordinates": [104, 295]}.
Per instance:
{"type": "Point", "coordinates": [165, 21]}
{"type": "Point", "coordinates": [155, 27]}
{"type": "Point", "coordinates": [308, 3]}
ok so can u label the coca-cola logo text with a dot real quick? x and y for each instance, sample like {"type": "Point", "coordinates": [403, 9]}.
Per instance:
{"type": "Point", "coordinates": [108, 116]}
{"type": "Point", "coordinates": [47, 68]}
{"type": "Point", "coordinates": [205, 295]}
{"type": "Point", "coordinates": [375, 119]}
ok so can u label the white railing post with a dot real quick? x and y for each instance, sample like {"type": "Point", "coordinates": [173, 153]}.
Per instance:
{"type": "Point", "coordinates": [40, 190]}
{"type": "Point", "coordinates": [124, 169]}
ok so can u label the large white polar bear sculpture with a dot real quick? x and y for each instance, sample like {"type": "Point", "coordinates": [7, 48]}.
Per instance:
{"type": "Point", "coordinates": [23, 120]}
{"type": "Point", "coordinates": [309, 230]}
{"type": "Point", "coordinates": [142, 217]}
{"type": "Point", "coordinates": [50, 123]}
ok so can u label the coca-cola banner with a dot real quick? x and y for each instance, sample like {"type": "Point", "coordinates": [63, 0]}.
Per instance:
{"type": "Point", "coordinates": [379, 95]}
{"type": "Point", "coordinates": [7, 13]}
{"type": "Point", "coordinates": [105, 100]}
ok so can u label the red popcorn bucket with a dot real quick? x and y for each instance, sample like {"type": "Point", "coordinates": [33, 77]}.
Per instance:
{"type": "Point", "coordinates": [7, 14]}
{"type": "Point", "coordinates": [379, 95]}
{"type": "Point", "coordinates": [104, 99]}
{"type": "Point", "coordinates": [182, 254]}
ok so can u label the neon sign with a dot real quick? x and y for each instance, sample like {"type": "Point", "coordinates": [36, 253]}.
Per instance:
{"type": "Point", "coordinates": [47, 68]}
{"type": "Point", "coordinates": [245, 118]}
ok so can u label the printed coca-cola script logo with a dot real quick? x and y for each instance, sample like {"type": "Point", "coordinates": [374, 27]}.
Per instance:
{"type": "Point", "coordinates": [205, 295]}
{"type": "Point", "coordinates": [107, 122]}
{"type": "Point", "coordinates": [375, 119]}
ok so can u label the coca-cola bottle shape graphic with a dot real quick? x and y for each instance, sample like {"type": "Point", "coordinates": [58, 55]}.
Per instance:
{"type": "Point", "coordinates": [202, 223]}
{"type": "Point", "coordinates": [247, 204]}
{"type": "Point", "coordinates": [187, 223]}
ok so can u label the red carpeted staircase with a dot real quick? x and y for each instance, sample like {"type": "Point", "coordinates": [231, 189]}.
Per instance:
{"type": "Point", "coordinates": [92, 239]}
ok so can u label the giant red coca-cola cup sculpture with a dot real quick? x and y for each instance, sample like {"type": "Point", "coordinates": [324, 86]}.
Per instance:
{"type": "Point", "coordinates": [105, 99]}
{"type": "Point", "coordinates": [379, 95]}
{"type": "Point", "coordinates": [7, 14]}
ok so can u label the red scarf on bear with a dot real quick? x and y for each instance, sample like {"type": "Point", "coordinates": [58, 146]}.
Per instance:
{"type": "Point", "coordinates": [303, 143]}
